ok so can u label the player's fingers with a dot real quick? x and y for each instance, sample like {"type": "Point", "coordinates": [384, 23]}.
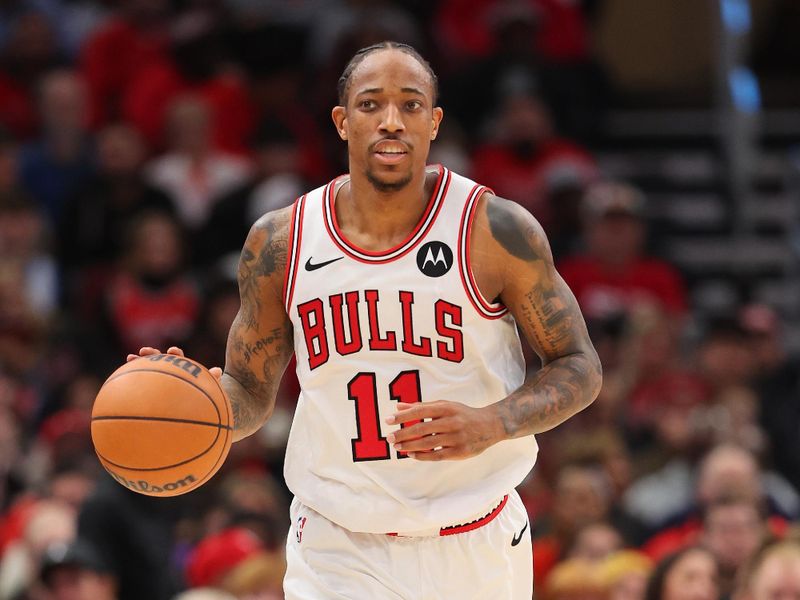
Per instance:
{"type": "Point", "coordinates": [443, 454]}
{"type": "Point", "coordinates": [418, 411]}
{"type": "Point", "coordinates": [419, 430]}
{"type": "Point", "coordinates": [216, 372]}
{"type": "Point", "coordinates": [175, 350]}
{"type": "Point", "coordinates": [427, 443]}
{"type": "Point", "coordinates": [148, 351]}
{"type": "Point", "coordinates": [131, 357]}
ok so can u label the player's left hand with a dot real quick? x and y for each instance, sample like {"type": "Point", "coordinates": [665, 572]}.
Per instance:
{"type": "Point", "coordinates": [452, 430]}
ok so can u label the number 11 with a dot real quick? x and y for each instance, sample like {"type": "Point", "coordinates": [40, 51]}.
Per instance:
{"type": "Point", "coordinates": [370, 444]}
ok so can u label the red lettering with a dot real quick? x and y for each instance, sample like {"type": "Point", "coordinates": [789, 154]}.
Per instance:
{"type": "Point", "coordinates": [369, 444]}
{"type": "Point", "coordinates": [454, 353]}
{"type": "Point", "coordinates": [376, 342]}
{"type": "Point", "coordinates": [344, 347]}
{"type": "Point", "coordinates": [421, 348]}
{"type": "Point", "coordinates": [314, 332]}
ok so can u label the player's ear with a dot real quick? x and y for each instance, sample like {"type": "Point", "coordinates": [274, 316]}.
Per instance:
{"type": "Point", "coordinates": [438, 113]}
{"type": "Point", "coordinates": [339, 116]}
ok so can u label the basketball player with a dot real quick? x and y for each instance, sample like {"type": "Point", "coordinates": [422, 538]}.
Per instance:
{"type": "Point", "coordinates": [399, 287]}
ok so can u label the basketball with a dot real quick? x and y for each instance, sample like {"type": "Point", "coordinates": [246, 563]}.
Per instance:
{"type": "Point", "coordinates": [161, 425]}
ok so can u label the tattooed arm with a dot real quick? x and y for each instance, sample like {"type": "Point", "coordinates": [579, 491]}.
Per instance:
{"type": "Point", "coordinates": [511, 260]}
{"type": "Point", "coordinates": [547, 313]}
{"type": "Point", "coordinates": [260, 340]}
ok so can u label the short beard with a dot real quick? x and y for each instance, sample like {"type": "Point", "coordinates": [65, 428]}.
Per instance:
{"type": "Point", "coordinates": [386, 187]}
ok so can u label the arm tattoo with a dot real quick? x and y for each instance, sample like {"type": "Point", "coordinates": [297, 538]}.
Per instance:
{"type": "Point", "coordinates": [559, 390]}
{"type": "Point", "coordinates": [548, 314]}
{"type": "Point", "coordinates": [263, 256]}
{"type": "Point", "coordinates": [260, 341]}
{"type": "Point", "coordinates": [513, 236]}
{"type": "Point", "coordinates": [252, 387]}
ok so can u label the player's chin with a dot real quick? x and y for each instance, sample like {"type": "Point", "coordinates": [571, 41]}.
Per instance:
{"type": "Point", "coordinates": [387, 178]}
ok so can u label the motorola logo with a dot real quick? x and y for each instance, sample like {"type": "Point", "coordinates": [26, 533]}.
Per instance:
{"type": "Point", "coordinates": [434, 259]}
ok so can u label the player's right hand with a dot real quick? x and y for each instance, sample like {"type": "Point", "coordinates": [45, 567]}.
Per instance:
{"type": "Point", "coordinates": [149, 351]}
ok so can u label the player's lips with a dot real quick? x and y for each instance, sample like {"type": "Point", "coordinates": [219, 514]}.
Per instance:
{"type": "Point", "coordinates": [390, 152]}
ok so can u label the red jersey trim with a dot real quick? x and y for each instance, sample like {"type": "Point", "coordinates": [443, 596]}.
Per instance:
{"type": "Point", "coordinates": [472, 525]}
{"type": "Point", "coordinates": [482, 306]}
{"type": "Point", "coordinates": [455, 529]}
{"type": "Point", "coordinates": [435, 204]}
{"type": "Point", "coordinates": [295, 238]}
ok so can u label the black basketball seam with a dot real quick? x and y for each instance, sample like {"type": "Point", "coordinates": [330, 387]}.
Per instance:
{"type": "Point", "coordinates": [167, 419]}
{"type": "Point", "coordinates": [217, 465]}
{"type": "Point", "coordinates": [162, 468]}
{"type": "Point", "coordinates": [210, 399]}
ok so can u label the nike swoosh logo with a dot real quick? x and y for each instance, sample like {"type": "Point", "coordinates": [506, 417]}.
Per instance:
{"type": "Point", "coordinates": [517, 539]}
{"type": "Point", "coordinates": [314, 267]}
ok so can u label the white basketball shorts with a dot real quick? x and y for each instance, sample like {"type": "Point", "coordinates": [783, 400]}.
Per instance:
{"type": "Point", "coordinates": [490, 558]}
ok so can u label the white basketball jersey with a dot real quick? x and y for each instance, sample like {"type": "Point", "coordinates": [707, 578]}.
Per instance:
{"type": "Point", "coordinates": [372, 329]}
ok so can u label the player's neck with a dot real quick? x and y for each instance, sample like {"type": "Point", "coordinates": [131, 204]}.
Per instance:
{"type": "Point", "coordinates": [375, 220]}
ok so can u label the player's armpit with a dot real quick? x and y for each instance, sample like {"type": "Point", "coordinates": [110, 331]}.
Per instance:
{"type": "Point", "coordinates": [548, 315]}
{"type": "Point", "coordinates": [260, 340]}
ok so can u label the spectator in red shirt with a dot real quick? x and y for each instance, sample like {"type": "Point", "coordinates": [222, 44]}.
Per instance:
{"type": "Point", "coordinates": [616, 274]}
{"type": "Point", "coordinates": [152, 297]}
{"type": "Point", "coordinates": [28, 52]}
{"type": "Point", "coordinates": [527, 154]}
{"type": "Point", "coordinates": [114, 54]}
{"type": "Point", "coordinates": [195, 65]}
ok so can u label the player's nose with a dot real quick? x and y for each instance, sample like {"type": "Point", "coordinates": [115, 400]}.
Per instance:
{"type": "Point", "coordinates": [391, 119]}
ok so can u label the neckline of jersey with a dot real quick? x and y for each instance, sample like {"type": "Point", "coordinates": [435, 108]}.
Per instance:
{"type": "Point", "coordinates": [420, 229]}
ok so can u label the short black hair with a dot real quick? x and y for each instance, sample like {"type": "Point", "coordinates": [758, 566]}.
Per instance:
{"type": "Point", "coordinates": [344, 81]}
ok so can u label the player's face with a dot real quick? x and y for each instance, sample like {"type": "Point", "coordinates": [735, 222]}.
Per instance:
{"type": "Point", "coordinates": [389, 120]}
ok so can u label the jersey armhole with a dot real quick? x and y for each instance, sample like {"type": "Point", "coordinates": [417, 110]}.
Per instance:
{"type": "Point", "coordinates": [293, 251]}
{"type": "Point", "coordinates": [484, 308]}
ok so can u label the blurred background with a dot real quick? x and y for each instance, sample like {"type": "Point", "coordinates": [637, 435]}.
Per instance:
{"type": "Point", "coordinates": [658, 143]}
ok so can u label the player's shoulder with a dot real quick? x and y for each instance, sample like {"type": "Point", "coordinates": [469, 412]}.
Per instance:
{"type": "Point", "coordinates": [274, 221]}
{"type": "Point", "coordinates": [265, 249]}
{"type": "Point", "coordinates": [511, 228]}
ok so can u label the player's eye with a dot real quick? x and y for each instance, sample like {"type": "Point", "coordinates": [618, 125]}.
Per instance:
{"type": "Point", "coordinates": [413, 105]}
{"type": "Point", "coordinates": [367, 104]}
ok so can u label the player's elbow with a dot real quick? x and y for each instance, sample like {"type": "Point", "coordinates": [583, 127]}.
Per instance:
{"type": "Point", "coordinates": [594, 370]}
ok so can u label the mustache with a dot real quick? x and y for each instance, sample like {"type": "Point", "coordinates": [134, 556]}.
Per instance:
{"type": "Point", "coordinates": [392, 138]}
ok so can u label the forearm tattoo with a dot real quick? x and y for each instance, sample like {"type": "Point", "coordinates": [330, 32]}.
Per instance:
{"type": "Point", "coordinates": [548, 314]}
{"type": "Point", "coordinates": [260, 341]}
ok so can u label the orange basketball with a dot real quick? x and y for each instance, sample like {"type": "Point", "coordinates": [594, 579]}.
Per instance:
{"type": "Point", "coordinates": [161, 425]}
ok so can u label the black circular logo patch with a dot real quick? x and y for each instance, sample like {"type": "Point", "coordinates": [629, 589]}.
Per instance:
{"type": "Point", "coordinates": [434, 259]}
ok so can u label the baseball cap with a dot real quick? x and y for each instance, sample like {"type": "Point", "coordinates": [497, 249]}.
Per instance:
{"type": "Point", "coordinates": [611, 197]}
{"type": "Point", "coordinates": [79, 554]}
{"type": "Point", "coordinates": [217, 554]}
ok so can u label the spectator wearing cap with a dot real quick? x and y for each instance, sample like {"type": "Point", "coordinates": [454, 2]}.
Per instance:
{"type": "Point", "coordinates": [615, 273]}
{"type": "Point", "coordinates": [216, 555]}
{"type": "Point", "coordinates": [76, 571]}
{"type": "Point", "coordinates": [235, 560]}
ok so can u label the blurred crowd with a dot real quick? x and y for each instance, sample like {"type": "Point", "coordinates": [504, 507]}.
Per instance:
{"type": "Point", "coordinates": [139, 140]}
